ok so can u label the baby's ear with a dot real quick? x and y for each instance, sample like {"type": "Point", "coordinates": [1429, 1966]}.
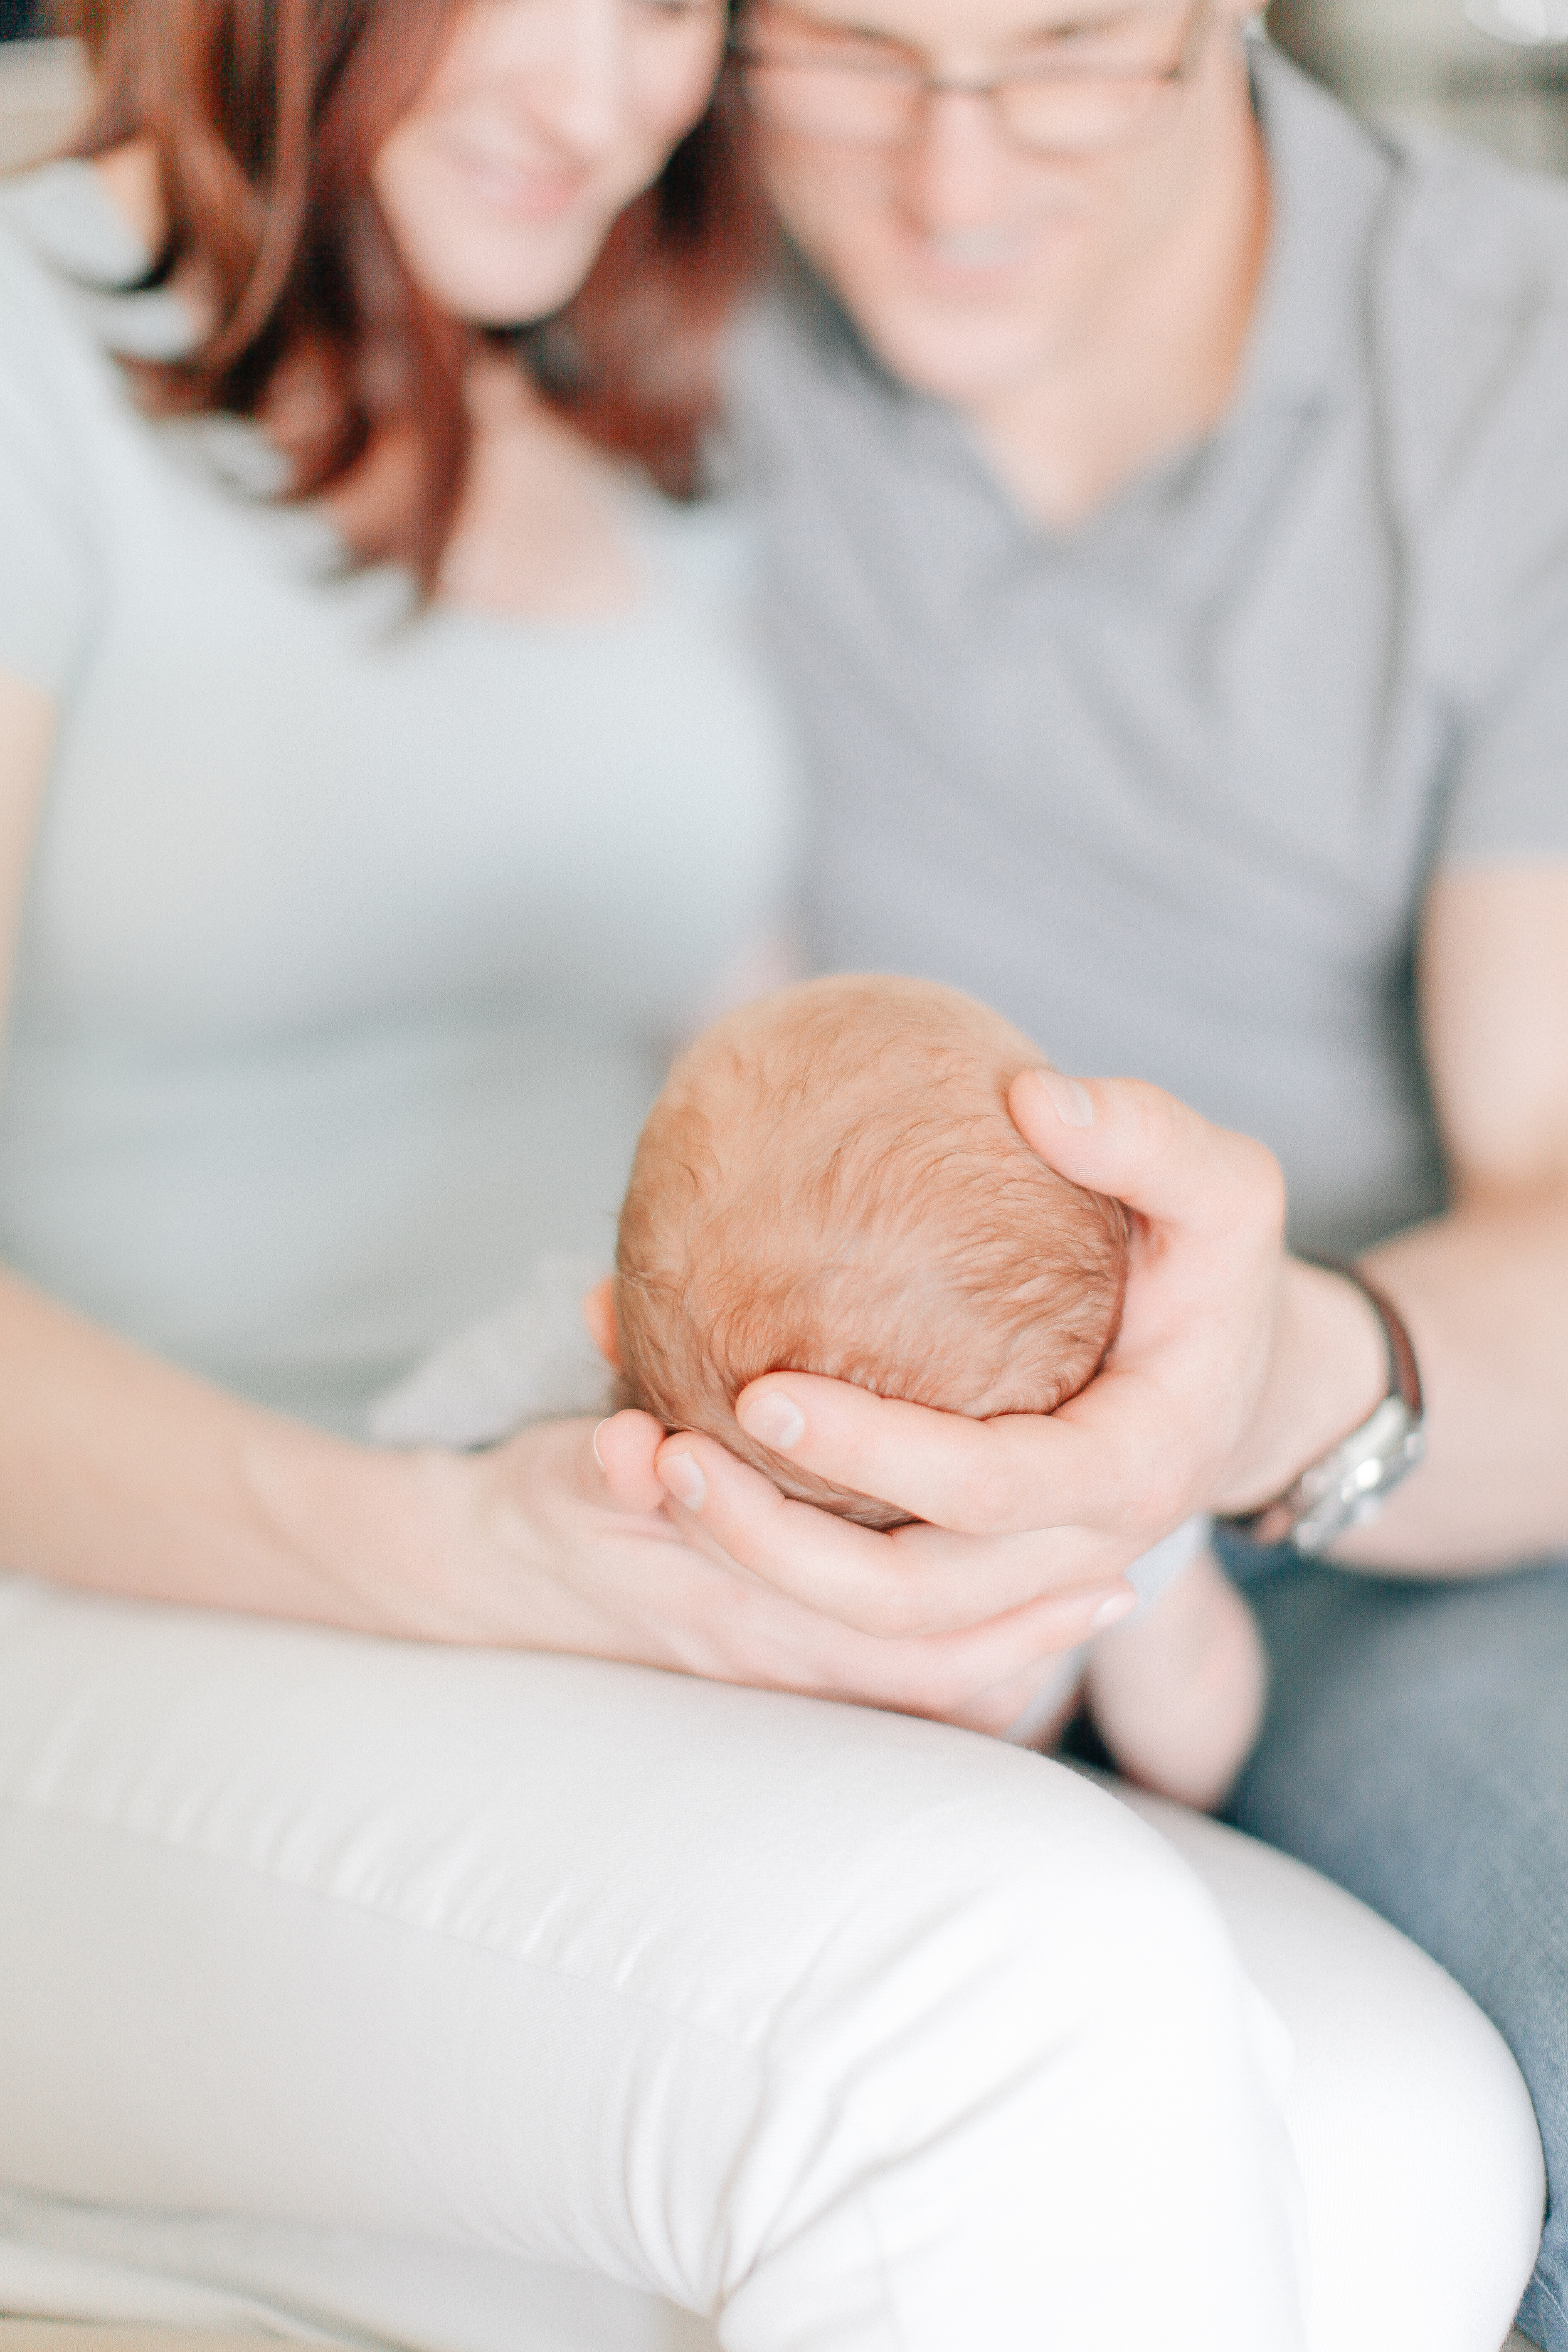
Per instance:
{"type": "Point", "coordinates": [599, 1315]}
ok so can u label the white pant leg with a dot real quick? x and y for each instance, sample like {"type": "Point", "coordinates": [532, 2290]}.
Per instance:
{"type": "Point", "coordinates": [864, 2035]}
{"type": "Point", "coordinates": [1416, 2140]}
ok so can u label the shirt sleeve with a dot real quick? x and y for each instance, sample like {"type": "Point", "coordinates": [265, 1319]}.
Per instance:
{"type": "Point", "coordinates": [1507, 597]}
{"type": "Point", "coordinates": [1511, 799]}
{"type": "Point", "coordinates": [48, 571]}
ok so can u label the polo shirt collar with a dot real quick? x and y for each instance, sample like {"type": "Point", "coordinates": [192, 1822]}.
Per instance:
{"type": "Point", "coordinates": [1332, 180]}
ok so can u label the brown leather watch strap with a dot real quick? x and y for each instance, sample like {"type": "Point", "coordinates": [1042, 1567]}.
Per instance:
{"type": "Point", "coordinates": [1404, 1371]}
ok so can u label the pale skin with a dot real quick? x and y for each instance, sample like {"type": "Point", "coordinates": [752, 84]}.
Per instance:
{"type": "Point", "coordinates": [1177, 1695]}
{"type": "Point", "coordinates": [1176, 1691]}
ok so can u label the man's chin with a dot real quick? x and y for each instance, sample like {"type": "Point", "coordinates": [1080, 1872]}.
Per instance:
{"type": "Point", "coordinates": [957, 356]}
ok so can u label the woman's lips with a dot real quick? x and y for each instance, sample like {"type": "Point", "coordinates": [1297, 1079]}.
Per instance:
{"type": "Point", "coordinates": [521, 188]}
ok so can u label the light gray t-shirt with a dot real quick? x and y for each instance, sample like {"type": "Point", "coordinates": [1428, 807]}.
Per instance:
{"type": "Point", "coordinates": [355, 933]}
{"type": "Point", "coordinates": [1167, 788]}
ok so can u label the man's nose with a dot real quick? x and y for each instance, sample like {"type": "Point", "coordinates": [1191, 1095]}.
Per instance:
{"type": "Point", "coordinates": [958, 165]}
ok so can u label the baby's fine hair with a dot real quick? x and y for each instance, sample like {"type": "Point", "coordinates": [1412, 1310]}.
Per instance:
{"type": "Point", "coordinates": [830, 1182]}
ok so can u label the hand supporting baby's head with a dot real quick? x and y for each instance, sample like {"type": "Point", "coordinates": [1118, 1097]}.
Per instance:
{"type": "Point", "coordinates": [830, 1182]}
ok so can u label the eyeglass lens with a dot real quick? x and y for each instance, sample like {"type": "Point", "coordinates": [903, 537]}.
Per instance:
{"type": "Point", "coordinates": [1071, 93]}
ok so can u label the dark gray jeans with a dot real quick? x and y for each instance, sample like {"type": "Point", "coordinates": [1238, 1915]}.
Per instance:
{"type": "Point", "coordinates": [1416, 1751]}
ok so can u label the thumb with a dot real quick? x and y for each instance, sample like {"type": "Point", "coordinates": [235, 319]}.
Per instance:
{"type": "Point", "coordinates": [620, 1465]}
{"type": "Point", "coordinates": [1140, 1145]}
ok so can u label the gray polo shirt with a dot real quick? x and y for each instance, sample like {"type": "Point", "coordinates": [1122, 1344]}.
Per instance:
{"type": "Point", "coordinates": [1167, 787]}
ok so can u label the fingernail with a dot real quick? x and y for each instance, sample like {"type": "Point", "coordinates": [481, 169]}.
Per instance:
{"type": "Point", "coordinates": [684, 1479]}
{"type": "Point", "coordinates": [775, 1421]}
{"type": "Point", "coordinates": [1112, 1609]}
{"type": "Point", "coordinates": [1072, 1103]}
{"type": "Point", "coordinates": [597, 1455]}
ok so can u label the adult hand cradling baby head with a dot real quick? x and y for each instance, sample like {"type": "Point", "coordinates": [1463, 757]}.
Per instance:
{"type": "Point", "coordinates": [831, 1183]}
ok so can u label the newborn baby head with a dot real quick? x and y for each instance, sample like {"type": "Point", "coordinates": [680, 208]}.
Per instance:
{"type": "Point", "coordinates": [830, 1182]}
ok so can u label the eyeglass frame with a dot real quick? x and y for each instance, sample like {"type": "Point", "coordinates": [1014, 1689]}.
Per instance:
{"type": "Point", "coordinates": [923, 88]}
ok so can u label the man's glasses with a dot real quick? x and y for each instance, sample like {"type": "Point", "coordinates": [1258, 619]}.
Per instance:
{"type": "Point", "coordinates": [1071, 92]}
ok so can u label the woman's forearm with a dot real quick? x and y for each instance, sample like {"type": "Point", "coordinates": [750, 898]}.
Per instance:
{"type": "Point", "coordinates": [120, 1474]}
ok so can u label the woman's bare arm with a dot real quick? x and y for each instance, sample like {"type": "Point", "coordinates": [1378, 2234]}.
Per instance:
{"type": "Point", "coordinates": [121, 1475]}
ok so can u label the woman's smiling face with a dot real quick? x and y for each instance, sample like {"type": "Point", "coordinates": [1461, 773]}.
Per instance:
{"type": "Point", "coordinates": [969, 259]}
{"type": "Point", "coordinates": [540, 121]}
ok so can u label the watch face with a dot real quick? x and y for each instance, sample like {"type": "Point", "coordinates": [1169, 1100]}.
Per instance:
{"type": "Point", "coordinates": [1347, 1489]}
{"type": "Point", "coordinates": [1349, 1486]}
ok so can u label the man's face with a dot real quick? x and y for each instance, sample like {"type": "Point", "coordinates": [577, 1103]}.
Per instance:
{"type": "Point", "coordinates": [970, 261]}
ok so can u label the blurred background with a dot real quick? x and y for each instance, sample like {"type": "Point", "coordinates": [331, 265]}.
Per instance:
{"type": "Point", "coordinates": [1433, 64]}
{"type": "Point", "coordinates": [1413, 61]}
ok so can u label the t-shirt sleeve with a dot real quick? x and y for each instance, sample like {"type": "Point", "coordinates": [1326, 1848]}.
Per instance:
{"type": "Point", "coordinates": [47, 542]}
{"type": "Point", "coordinates": [1506, 589]}
{"type": "Point", "coordinates": [1510, 796]}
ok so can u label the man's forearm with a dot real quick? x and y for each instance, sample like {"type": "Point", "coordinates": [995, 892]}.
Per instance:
{"type": "Point", "coordinates": [1484, 1293]}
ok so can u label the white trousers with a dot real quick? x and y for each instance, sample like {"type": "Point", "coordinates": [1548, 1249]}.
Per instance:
{"type": "Point", "coordinates": [472, 2000]}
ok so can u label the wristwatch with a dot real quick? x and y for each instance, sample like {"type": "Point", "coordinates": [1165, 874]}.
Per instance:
{"type": "Point", "coordinates": [1348, 1485]}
